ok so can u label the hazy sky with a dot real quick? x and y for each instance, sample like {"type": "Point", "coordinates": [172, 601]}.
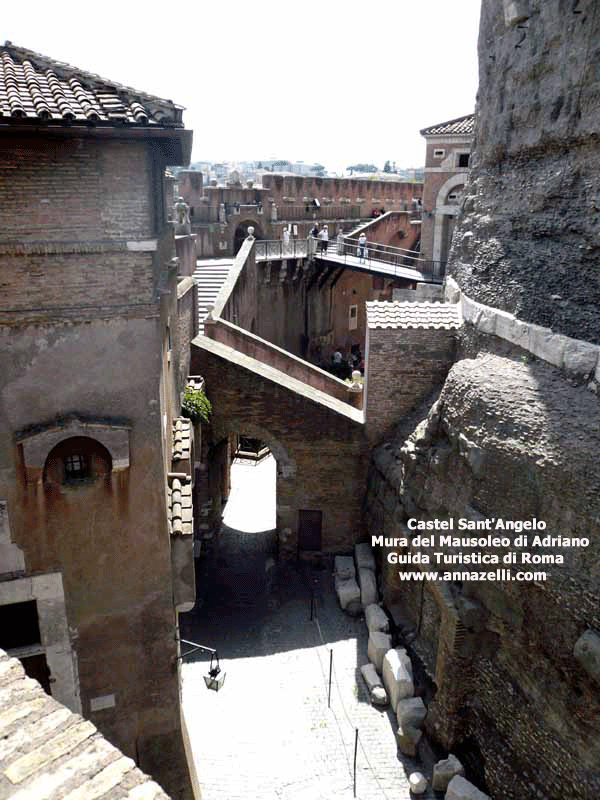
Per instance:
{"type": "Point", "coordinates": [323, 80]}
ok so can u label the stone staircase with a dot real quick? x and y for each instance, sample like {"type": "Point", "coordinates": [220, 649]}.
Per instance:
{"type": "Point", "coordinates": [210, 274]}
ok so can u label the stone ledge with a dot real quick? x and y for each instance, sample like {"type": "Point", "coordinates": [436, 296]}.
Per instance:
{"type": "Point", "coordinates": [574, 355]}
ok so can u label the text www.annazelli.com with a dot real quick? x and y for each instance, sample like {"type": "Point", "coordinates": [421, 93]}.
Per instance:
{"type": "Point", "coordinates": [497, 575]}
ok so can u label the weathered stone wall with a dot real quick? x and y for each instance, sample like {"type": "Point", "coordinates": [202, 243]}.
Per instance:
{"type": "Point", "coordinates": [513, 436]}
{"type": "Point", "coordinates": [88, 292]}
{"type": "Point", "coordinates": [509, 440]}
{"type": "Point", "coordinates": [529, 237]}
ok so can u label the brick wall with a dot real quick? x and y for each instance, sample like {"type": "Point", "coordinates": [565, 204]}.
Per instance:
{"type": "Point", "coordinates": [403, 367]}
{"type": "Point", "coordinates": [321, 454]}
{"type": "Point", "coordinates": [71, 280]}
{"type": "Point", "coordinates": [74, 189]}
{"type": "Point", "coordinates": [374, 194]}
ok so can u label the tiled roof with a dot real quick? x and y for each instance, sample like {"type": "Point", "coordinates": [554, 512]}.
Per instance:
{"type": "Point", "coordinates": [35, 88]}
{"type": "Point", "coordinates": [180, 514]}
{"type": "Point", "coordinates": [182, 439]}
{"type": "Point", "coordinates": [381, 314]}
{"type": "Point", "coordinates": [463, 126]}
{"type": "Point", "coordinates": [47, 751]}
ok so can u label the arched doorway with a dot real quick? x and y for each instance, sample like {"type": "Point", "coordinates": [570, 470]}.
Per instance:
{"type": "Point", "coordinates": [241, 232]}
{"type": "Point", "coordinates": [447, 208]}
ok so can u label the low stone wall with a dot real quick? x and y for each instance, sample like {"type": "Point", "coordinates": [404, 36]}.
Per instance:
{"type": "Point", "coordinates": [185, 249]}
{"type": "Point", "coordinates": [573, 355]}
{"type": "Point", "coordinates": [233, 336]}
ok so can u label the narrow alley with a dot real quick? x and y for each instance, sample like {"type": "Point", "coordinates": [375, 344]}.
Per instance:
{"type": "Point", "coordinates": [268, 734]}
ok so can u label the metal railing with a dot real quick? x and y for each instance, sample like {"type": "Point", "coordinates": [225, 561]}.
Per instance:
{"type": "Point", "coordinates": [308, 212]}
{"type": "Point", "coordinates": [349, 251]}
{"type": "Point", "coordinates": [265, 250]}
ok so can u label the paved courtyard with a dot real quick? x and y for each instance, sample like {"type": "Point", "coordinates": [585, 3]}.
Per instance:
{"type": "Point", "coordinates": [268, 734]}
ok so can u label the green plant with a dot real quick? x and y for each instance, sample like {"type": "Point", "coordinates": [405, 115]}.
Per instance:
{"type": "Point", "coordinates": [195, 405]}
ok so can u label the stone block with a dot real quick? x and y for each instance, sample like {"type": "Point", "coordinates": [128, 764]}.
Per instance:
{"type": "Point", "coordinates": [343, 567]}
{"type": "Point", "coordinates": [470, 309]}
{"type": "Point", "coordinates": [411, 711]}
{"type": "Point", "coordinates": [408, 738]}
{"type": "Point", "coordinates": [451, 290]}
{"type": "Point", "coordinates": [348, 595]}
{"type": "Point", "coordinates": [377, 693]}
{"type": "Point", "coordinates": [368, 586]}
{"type": "Point", "coordinates": [487, 320]}
{"type": "Point", "coordinates": [363, 555]}
{"type": "Point", "coordinates": [587, 652]}
{"type": "Point", "coordinates": [580, 357]}
{"type": "Point", "coordinates": [444, 771]}
{"type": "Point", "coordinates": [546, 345]}
{"type": "Point", "coordinates": [397, 676]}
{"type": "Point", "coordinates": [461, 789]}
{"type": "Point", "coordinates": [376, 618]}
{"type": "Point", "coordinates": [379, 644]}
{"type": "Point", "coordinates": [417, 783]}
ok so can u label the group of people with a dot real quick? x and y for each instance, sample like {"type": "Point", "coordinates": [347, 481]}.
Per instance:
{"type": "Point", "coordinates": [322, 235]}
{"type": "Point", "coordinates": [343, 367]}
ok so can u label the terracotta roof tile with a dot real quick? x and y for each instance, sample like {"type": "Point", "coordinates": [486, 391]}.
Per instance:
{"type": "Point", "coordinates": [182, 439]}
{"type": "Point", "coordinates": [49, 751]}
{"type": "Point", "coordinates": [36, 88]}
{"type": "Point", "coordinates": [412, 315]}
{"type": "Point", "coordinates": [180, 512]}
{"type": "Point", "coordinates": [464, 126]}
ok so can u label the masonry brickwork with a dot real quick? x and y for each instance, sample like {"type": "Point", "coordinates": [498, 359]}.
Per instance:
{"type": "Point", "coordinates": [89, 303]}
{"type": "Point", "coordinates": [321, 453]}
{"type": "Point", "coordinates": [403, 368]}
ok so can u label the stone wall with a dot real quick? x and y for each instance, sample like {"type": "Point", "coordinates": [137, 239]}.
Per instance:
{"type": "Point", "coordinates": [528, 241]}
{"type": "Point", "coordinates": [89, 290]}
{"type": "Point", "coordinates": [516, 430]}
{"type": "Point", "coordinates": [514, 441]}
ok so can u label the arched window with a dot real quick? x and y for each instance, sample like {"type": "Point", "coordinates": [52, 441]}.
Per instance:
{"type": "Point", "coordinates": [77, 462]}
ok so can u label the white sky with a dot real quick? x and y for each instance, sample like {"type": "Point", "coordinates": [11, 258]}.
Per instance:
{"type": "Point", "coordinates": [333, 81]}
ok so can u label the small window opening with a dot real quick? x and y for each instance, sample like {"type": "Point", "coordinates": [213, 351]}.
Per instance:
{"type": "Point", "coordinates": [440, 153]}
{"type": "Point", "coordinates": [463, 159]}
{"type": "Point", "coordinates": [77, 468]}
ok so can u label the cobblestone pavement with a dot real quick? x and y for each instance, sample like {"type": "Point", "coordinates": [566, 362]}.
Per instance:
{"type": "Point", "coordinates": [268, 734]}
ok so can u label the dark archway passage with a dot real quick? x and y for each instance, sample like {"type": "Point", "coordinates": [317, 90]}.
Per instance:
{"type": "Point", "coordinates": [241, 233]}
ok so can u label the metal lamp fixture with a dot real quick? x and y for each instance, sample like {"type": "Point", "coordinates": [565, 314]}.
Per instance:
{"type": "Point", "coordinates": [215, 678]}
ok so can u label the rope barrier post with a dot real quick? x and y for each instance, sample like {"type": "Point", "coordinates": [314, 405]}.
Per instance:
{"type": "Point", "coordinates": [355, 750]}
{"type": "Point", "coordinates": [330, 671]}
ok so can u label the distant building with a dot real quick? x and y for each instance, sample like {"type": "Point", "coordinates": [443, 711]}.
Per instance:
{"type": "Point", "coordinates": [446, 171]}
{"type": "Point", "coordinates": [221, 213]}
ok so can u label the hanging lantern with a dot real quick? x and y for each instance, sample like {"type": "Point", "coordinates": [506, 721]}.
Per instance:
{"type": "Point", "coordinates": [215, 678]}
